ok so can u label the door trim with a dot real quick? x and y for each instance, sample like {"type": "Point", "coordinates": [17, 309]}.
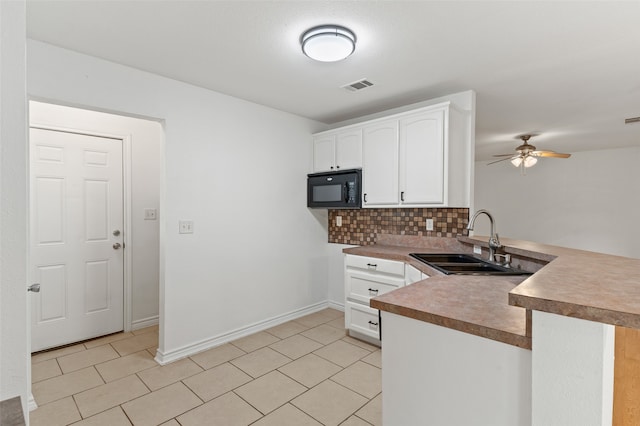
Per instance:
{"type": "Point", "coordinates": [126, 195]}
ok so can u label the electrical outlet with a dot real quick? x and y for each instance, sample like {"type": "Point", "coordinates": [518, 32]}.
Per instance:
{"type": "Point", "coordinates": [338, 220]}
{"type": "Point", "coordinates": [477, 249]}
{"type": "Point", "coordinates": [150, 214]}
{"type": "Point", "coordinates": [185, 227]}
{"type": "Point", "coordinates": [429, 224]}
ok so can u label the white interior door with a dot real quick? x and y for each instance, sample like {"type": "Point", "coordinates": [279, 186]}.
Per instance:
{"type": "Point", "coordinates": [76, 221]}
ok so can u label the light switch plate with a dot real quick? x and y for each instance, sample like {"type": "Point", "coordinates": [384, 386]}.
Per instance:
{"type": "Point", "coordinates": [477, 249]}
{"type": "Point", "coordinates": [150, 214]}
{"type": "Point", "coordinates": [338, 220]}
{"type": "Point", "coordinates": [185, 227]}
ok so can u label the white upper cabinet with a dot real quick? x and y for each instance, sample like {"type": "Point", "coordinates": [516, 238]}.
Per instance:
{"type": "Point", "coordinates": [334, 151]}
{"type": "Point", "coordinates": [422, 158]}
{"type": "Point", "coordinates": [380, 164]}
{"type": "Point", "coordinates": [349, 149]}
{"type": "Point", "coordinates": [418, 158]}
{"type": "Point", "coordinates": [324, 148]}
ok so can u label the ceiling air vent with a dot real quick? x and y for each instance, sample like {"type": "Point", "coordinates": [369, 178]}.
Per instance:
{"type": "Point", "coordinates": [358, 85]}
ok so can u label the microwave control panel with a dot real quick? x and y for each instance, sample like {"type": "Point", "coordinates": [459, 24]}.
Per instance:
{"type": "Point", "coordinates": [351, 192]}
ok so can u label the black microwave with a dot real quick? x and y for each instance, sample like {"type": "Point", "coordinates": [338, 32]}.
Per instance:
{"type": "Point", "coordinates": [335, 190]}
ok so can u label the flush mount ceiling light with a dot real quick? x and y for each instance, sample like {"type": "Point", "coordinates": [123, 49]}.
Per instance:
{"type": "Point", "coordinates": [328, 43]}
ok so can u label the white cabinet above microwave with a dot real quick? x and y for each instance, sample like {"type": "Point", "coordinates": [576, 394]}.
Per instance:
{"type": "Point", "coordinates": [337, 150]}
{"type": "Point", "coordinates": [418, 158]}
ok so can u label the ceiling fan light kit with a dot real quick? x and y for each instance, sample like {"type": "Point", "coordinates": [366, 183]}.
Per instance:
{"type": "Point", "coordinates": [527, 156]}
{"type": "Point", "coordinates": [529, 161]}
{"type": "Point", "coordinates": [328, 43]}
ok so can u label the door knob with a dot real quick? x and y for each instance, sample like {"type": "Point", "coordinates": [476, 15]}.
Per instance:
{"type": "Point", "coordinates": [116, 246]}
{"type": "Point", "coordinates": [34, 288]}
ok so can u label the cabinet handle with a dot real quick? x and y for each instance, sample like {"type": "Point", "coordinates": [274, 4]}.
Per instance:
{"type": "Point", "coordinates": [375, 324]}
{"type": "Point", "coordinates": [337, 167]}
{"type": "Point", "coordinates": [365, 197]}
{"type": "Point", "coordinates": [402, 196]}
{"type": "Point", "coordinates": [331, 167]}
{"type": "Point", "coordinates": [373, 290]}
{"type": "Point", "coordinates": [372, 265]}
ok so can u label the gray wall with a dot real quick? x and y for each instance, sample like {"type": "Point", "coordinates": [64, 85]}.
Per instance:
{"type": "Point", "coordinates": [590, 201]}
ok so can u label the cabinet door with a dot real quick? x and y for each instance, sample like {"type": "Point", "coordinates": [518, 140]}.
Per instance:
{"type": "Point", "coordinates": [422, 158]}
{"type": "Point", "coordinates": [412, 275]}
{"type": "Point", "coordinates": [380, 164]}
{"type": "Point", "coordinates": [324, 153]}
{"type": "Point", "coordinates": [349, 149]}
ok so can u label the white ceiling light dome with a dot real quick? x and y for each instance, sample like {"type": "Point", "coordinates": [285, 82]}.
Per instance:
{"type": "Point", "coordinates": [328, 43]}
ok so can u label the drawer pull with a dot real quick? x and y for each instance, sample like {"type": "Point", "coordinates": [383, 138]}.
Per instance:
{"type": "Point", "coordinates": [373, 290]}
{"type": "Point", "coordinates": [372, 265]}
{"type": "Point", "coordinates": [373, 324]}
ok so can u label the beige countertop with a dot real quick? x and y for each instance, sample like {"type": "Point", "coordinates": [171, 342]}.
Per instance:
{"type": "Point", "coordinates": [574, 283]}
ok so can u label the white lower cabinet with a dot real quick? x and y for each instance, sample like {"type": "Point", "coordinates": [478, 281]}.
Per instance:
{"type": "Point", "coordinates": [412, 275]}
{"type": "Point", "coordinates": [367, 277]}
{"type": "Point", "coordinates": [362, 319]}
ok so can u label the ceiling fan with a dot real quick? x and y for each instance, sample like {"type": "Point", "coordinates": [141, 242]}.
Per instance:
{"type": "Point", "coordinates": [526, 155]}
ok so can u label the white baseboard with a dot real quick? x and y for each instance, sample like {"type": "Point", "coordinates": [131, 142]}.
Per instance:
{"type": "Point", "coordinates": [31, 404]}
{"type": "Point", "coordinates": [163, 358]}
{"type": "Point", "coordinates": [337, 306]}
{"type": "Point", "coordinates": [145, 322]}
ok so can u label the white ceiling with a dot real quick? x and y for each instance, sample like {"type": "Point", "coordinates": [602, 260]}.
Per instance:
{"type": "Point", "coordinates": [567, 70]}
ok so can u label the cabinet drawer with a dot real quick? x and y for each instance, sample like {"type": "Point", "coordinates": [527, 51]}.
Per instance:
{"type": "Point", "coordinates": [374, 264]}
{"type": "Point", "coordinates": [362, 319]}
{"type": "Point", "coordinates": [362, 285]}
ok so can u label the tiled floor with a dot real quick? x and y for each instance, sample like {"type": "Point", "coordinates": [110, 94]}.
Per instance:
{"type": "Point", "coordinates": [303, 372]}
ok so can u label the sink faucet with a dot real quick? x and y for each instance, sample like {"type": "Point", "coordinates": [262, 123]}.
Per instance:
{"type": "Point", "coordinates": [494, 241]}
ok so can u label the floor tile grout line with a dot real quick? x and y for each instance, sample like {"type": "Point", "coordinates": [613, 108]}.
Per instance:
{"type": "Point", "coordinates": [130, 374]}
{"type": "Point", "coordinates": [181, 414]}
{"type": "Point", "coordinates": [258, 348]}
{"type": "Point", "coordinates": [254, 407]}
{"type": "Point", "coordinates": [141, 396]}
{"type": "Point", "coordinates": [311, 353]}
{"type": "Point", "coordinates": [204, 403]}
{"type": "Point", "coordinates": [126, 415]}
{"type": "Point", "coordinates": [195, 393]}
{"type": "Point", "coordinates": [291, 402]}
{"type": "Point", "coordinates": [301, 409]}
{"type": "Point", "coordinates": [352, 390]}
{"type": "Point", "coordinates": [302, 384]}
{"type": "Point", "coordinates": [108, 408]}
{"type": "Point", "coordinates": [93, 387]}
{"type": "Point", "coordinates": [354, 414]}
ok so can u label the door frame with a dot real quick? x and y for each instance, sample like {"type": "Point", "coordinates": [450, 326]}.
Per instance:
{"type": "Point", "coordinates": [126, 213]}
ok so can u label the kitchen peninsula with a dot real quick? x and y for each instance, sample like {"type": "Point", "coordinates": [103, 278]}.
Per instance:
{"type": "Point", "coordinates": [504, 350]}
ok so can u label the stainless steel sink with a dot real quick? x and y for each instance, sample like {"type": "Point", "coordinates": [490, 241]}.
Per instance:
{"type": "Point", "coordinates": [464, 264]}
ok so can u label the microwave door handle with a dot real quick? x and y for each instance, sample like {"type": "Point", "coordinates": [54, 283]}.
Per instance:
{"type": "Point", "coordinates": [345, 192]}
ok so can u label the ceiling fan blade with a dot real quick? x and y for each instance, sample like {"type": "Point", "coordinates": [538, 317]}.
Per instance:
{"type": "Point", "coordinates": [503, 159]}
{"type": "Point", "coordinates": [550, 154]}
{"type": "Point", "coordinates": [504, 155]}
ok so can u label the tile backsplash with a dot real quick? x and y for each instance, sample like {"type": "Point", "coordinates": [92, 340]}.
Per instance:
{"type": "Point", "coordinates": [362, 227]}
